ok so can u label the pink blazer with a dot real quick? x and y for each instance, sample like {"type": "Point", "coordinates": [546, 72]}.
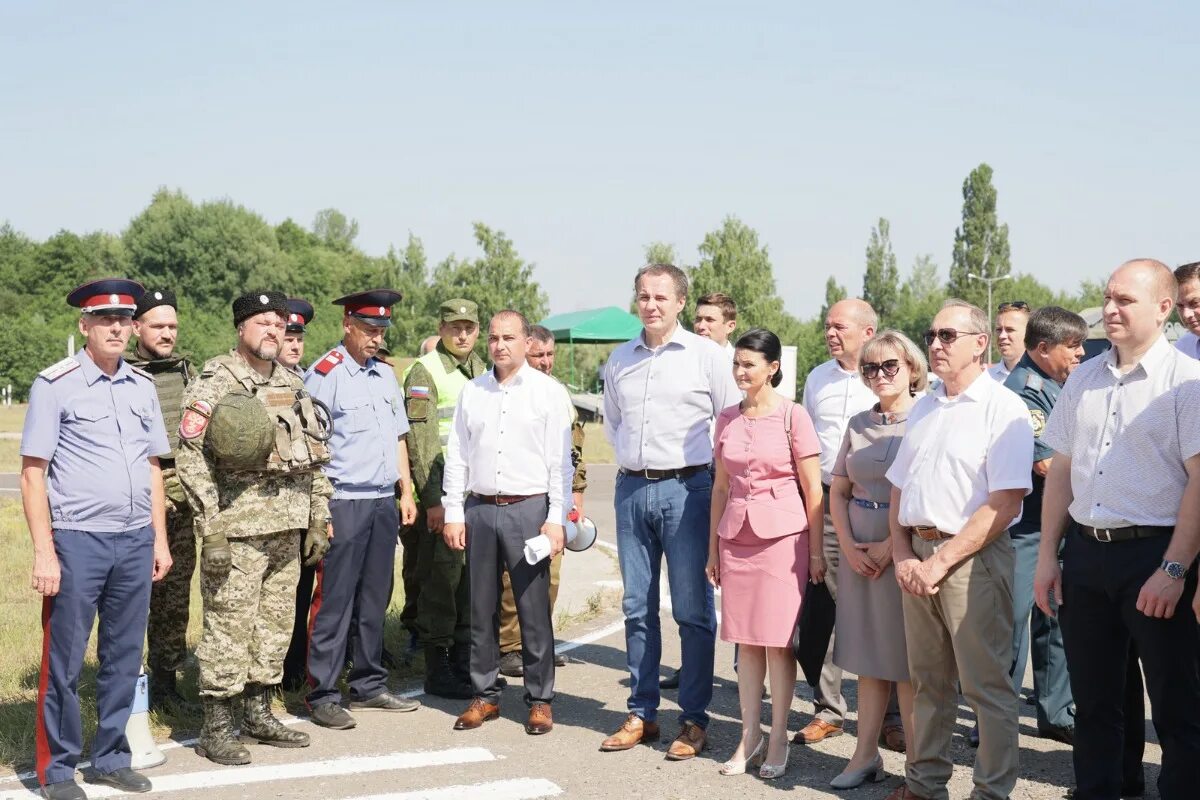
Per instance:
{"type": "Point", "coordinates": [763, 487]}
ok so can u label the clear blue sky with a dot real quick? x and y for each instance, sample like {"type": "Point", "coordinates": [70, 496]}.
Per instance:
{"type": "Point", "coordinates": [585, 131]}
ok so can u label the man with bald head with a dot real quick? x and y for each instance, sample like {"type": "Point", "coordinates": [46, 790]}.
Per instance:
{"type": "Point", "coordinates": [833, 393]}
{"type": "Point", "coordinates": [1124, 489]}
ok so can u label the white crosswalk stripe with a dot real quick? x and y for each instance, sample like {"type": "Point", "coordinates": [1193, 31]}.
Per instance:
{"type": "Point", "coordinates": [517, 789]}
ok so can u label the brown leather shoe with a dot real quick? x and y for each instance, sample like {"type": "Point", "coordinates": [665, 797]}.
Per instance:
{"type": "Point", "coordinates": [688, 744]}
{"type": "Point", "coordinates": [815, 731]}
{"type": "Point", "coordinates": [892, 737]}
{"type": "Point", "coordinates": [540, 719]}
{"type": "Point", "coordinates": [632, 731]}
{"type": "Point", "coordinates": [902, 792]}
{"type": "Point", "coordinates": [476, 714]}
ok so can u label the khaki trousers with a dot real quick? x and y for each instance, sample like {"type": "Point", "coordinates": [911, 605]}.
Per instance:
{"type": "Point", "coordinates": [963, 633]}
{"type": "Point", "coordinates": [510, 629]}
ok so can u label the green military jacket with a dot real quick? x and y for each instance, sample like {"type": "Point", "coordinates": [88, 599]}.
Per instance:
{"type": "Point", "coordinates": [424, 440]}
{"type": "Point", "coordinates": [171, 378]}
{"type": "Point", "coordinates": [242, 504]}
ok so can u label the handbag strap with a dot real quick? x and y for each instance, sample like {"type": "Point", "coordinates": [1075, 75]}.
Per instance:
{"type": "Point", "coordinates": [788, 414]}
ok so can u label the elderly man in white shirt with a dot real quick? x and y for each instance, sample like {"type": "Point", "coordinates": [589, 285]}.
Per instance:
{"type": "Point", "coordinates": [958, 480]}
{"type": "Point", "coordinates": [1126, 479]}
{"type": "Point", "coordinates": [833, 393]}
{"type": "Point", "coordinates": [508, 480]}
{"type": "Point", "coordinates": [661, 393]}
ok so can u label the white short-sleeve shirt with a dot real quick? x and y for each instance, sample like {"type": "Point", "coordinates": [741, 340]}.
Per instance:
{"type": "Point", "coordinates": [832, 396]}
{"type": "Point", "coordinates": [956, 451]}
{"type": "Point", "coordinates": [1125, 434]}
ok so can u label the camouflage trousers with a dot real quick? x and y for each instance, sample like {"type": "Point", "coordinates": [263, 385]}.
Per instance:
{"type": "Point", "coordinates": [166, 632]}
{"type": "Point", "coordinates": [248, 614]}
{"type": "Point", "coordinates": [444, 605]}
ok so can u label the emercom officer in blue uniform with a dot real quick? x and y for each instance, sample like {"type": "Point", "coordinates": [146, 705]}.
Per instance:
{"type": "Point", "coordinates": [93, 496]}
{"type": "Point", "coordinates": [1053, 349]}
{"type": "Point", "coordinates": [369, 470]}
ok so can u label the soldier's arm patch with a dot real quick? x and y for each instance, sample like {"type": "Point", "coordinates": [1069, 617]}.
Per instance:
{"type": "Point", "coordinates": [1038, 418]}
{"type": "Point", "coordinates": [326, 364]}
{"type": "Point", "coordinates": [195, 419]}
{"type": "Point", "coordinates": [417, 407]}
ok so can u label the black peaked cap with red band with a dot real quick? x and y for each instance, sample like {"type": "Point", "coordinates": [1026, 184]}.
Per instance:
{"type": "Point", "coordinates": [373, 307]}
{"type": "Point", "coordinates": [107, 296]}
{"type": "Point", "coordinates": [300, 313]}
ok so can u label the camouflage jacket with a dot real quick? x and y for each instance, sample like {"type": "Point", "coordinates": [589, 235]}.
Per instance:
{"type": "Point", "coordinates": [244, 504]}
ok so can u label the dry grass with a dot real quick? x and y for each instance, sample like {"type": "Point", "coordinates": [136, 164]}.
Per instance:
{"type": "Point", "coordinates": [12, 418]}
{"type": "Point", "coordinates": [596, 449]}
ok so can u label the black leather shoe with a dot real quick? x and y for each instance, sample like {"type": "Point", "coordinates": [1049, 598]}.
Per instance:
{"type": "Point", "coordinates": [386, 701]}
{"type": "Point", "coordinates": [331, 715]}
{"type": "Point", "coordinates": [63, 790]}
{"type": "Point", "coordinates": [670, 682]}
{"type": "Point", "coordinates": [123, 778]}
{"type": "Point", "coordinates": [1064, 733]}
{"type": "Point", "coordinates": [560, 659]}
{"type": "Point", "coordinates": [512, 665]}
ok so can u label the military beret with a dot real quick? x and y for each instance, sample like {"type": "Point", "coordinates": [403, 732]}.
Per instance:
{"type": "Point", "coordinates": [107, 296]}
{"type": "Point", "coordinates": [253, 303]}
{"type": "Point", "coordinates": [153, 298]}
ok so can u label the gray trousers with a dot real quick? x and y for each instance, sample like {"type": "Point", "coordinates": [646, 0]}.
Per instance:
{"type": "Point", "coordinates": [496, 538]}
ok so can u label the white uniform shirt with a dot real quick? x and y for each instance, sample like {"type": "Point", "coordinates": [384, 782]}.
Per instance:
{"type": "Point", "coordinates": [957, 451]}
{"type": "Point", "coordinates": [510, 438]}
{"type": "Point", "coordinates": [832, 396]}
{"type": "Point", "coordinates": [1126, 437]}
{"type": "Point", "coordinates": [659, 403]}
{"type": "Point", "coordinates": [999, 371]}
{"type": "Point", "coordinates": [1188, 344]}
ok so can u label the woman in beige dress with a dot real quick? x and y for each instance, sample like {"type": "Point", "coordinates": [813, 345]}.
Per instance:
{"type": "Point", "coordinates": [869, 639]}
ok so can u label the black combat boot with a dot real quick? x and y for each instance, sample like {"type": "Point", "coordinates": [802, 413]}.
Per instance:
{"type": "Point", "coordinates": [259, 724]}
{"type": "Point", "coordinates": [217, 742]}
{"type": "Point", "coordinates": [165, 696]}
{"type": "Point", "coordinates": [441, 678]}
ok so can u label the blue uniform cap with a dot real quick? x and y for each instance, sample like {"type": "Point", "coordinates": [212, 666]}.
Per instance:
{"type": "Point", "coordinates": [107, 296]}
{"type": "Point", "coordinates": [373, 307]}
{"type": "Point", "coordinates": [300, 313]}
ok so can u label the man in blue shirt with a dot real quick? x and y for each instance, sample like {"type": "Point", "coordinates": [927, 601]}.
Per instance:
{"type": "Point", "coordinates": [369, 470]}
{"type": "Point", "coordinates": [92, 490]}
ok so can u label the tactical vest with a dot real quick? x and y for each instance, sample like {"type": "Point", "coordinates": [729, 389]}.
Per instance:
{"type": "Point", "coordinates": [300, 439]}
{"type": "Point", "coordinates": [171, 376]}
{"type": "Point", "coordinates": [448, 385]}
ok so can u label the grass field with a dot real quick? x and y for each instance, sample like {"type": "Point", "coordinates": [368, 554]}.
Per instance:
{"type": "Point", "coordinates": [12, 418]}
{"type": "Point", "coordinates": [596, 449]}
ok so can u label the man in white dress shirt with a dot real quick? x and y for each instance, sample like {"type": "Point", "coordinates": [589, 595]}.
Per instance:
{"type": "Point", "coordinates": [661, 393]}
{"type": "Point", "coordinates": [1126, 481]}
{"type": "Point", "coordinates": [958, 479]}
{"type": "Point", "coordinates": [1188, 308]}
{"type": "Point", "coordinates": [508, 480]}
{"type": "Point", "coordinates": [1011, 320]}
{"type": "Point", "coordinates": [833, 393]}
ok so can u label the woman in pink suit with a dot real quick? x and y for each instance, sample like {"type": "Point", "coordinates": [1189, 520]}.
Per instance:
{"type": "Point", "coordinates": [766, 498]}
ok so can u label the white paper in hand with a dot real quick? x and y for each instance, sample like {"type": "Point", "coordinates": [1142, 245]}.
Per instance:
{"type": "Point", "coordinates": [537, 548]}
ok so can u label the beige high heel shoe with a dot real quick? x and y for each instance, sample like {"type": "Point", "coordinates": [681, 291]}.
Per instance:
{"type": "Point", "coordinates": [738, 767]}
{"type": "Point", "coordinates": [772, 771]}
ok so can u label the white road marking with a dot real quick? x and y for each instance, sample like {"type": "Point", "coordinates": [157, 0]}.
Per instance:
{"type": "Point", "coordinates": [518, 789]}
{"type": "Point", "coordinates": [239, 776]}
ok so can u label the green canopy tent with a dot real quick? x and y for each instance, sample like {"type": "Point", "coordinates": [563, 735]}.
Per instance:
{"type": "Point", "coordinates": [594, 326]}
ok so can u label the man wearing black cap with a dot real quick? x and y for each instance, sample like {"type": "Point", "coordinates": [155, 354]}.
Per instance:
{"type": "Point", "coordinates": [92, 489]}
{"type": "Point", "coordinates": [300, 314]}
{"type": "Point", "coordinates": [250, 450]}
{"type": "Point", "coordinates": [156, 331]}
{"type": "Point", "coordinates": [368, 469]}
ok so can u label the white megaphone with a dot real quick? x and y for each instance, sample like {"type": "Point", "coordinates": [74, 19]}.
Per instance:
{"type": "Point", "coordinates": [580, 535]}
{"type": "Point", "coordinates": [144, 752]}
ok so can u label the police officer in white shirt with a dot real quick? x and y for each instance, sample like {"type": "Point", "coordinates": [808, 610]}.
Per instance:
{"type": "Point", "coordinates": [1126, 481]}
{"type": "Point", "coordinates": [833, 393]}
{"type": "Point", "coordinates": [508, 480]}
{"type": "Point", "coordinates": [958, 480]}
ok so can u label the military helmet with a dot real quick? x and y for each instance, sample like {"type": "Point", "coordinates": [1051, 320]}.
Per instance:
{"type": "Point", "coordinates": [240, 432]}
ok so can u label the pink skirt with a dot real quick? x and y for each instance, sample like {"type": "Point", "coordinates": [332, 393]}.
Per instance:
{"type": "Point", "coordinates": [762, 584]}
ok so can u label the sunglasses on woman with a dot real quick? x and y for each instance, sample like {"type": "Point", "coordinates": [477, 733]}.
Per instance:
{"type": "Point", "coordinates": [947, 335]}
{"type": "Point", "coordinates": [889, 368]}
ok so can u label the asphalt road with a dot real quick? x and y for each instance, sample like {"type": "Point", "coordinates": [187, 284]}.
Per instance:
{"type": "Point", "coordinates": [418, 755]}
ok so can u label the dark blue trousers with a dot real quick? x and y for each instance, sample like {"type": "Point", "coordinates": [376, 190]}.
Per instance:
{"type": "Point", "coordinates": [357, 571]}
{"type": "Point", "coordinates": [109, 573]}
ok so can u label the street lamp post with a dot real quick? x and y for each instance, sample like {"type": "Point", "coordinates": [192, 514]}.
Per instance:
{"type": "Point", "coordinates": [990, 308]}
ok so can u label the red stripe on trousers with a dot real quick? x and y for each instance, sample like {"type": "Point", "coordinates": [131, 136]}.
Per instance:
{"type": "Point", "coordinates": [42, 745]}
{"type": "Point", "coordinates": [313, 608]}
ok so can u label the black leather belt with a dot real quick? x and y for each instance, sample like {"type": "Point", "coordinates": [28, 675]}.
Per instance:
{"type": "Point", "coordinates": [1126, 533]}
{"type": "Point", "coordinates": [504, 499]}
{"type": "Point", "coordinates": [663, 474]}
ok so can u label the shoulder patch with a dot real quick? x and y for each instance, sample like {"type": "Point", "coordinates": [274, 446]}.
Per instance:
{"type": "Point", "coordinates": [326, 364]}
{"type": "Point", "coordinates": [1034, 381]}
{"type": "Point", "coordinates": [1038, 418]}
{"type": "Point", "coordinates": [418, 392]}
{"type": "Point", "coordinates": [195, 419]}
{"type": "Point", "coordinates": [56, 371]}
{"type": "Point", "coordinates": [141, 372]}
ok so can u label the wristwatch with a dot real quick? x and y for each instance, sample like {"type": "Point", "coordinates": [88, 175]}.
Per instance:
{"type": "Point", "coordinates": [1174, 569]}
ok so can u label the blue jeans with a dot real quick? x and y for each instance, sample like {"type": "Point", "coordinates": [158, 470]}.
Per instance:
{"type": "Point", "coordinates": [656, 518]}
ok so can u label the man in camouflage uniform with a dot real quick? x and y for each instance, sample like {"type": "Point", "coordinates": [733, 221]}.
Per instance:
{"type": "Point", "coordinates": [431, 387]}
{"type": "Point", "coordinates": [251, 507]}
{"type": "Point", "coordinates": [156, 328]}
{"type": "Point", "coordinates": [540, 356]}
